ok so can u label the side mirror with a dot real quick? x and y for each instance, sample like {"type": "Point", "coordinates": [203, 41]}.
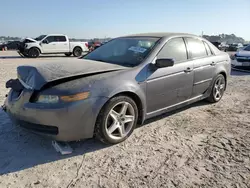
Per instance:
{"type": "Point", "coordinates": [45, 41]}
{"type": "Point", "coordinates": [161, 63]}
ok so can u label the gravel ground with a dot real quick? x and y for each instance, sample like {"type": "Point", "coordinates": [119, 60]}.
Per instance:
{"type": "Point", "coordinates": [202, 145]}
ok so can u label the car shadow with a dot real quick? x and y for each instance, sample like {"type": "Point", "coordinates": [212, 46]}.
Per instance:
{"type": "Point", "coordinates": [21, 149]}
{"type": "Point", "coordinates": [10, 57]}
{"type": "Point", "coordinates": [168, 114]}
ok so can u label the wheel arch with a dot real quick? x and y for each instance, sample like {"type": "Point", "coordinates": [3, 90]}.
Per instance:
{"type": "Point", "coordinates": [223, 73]}
{"type": "Point", "coordinates": [36, 48]}
{"type": "Point", "coordinates": [138, 103]}
{"type": "Point", "coordinates": [76, 47]}
{"type": "Point", "coordinates": [137, 100]}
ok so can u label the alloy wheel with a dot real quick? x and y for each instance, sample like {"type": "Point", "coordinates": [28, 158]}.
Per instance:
{"type": "Point", "coordinates": [219, 87]}
{"type": "Point", "coordinates": [120, 120]}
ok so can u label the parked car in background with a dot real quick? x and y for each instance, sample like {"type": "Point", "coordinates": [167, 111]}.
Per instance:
{"type": "Point", "coordinates": [109, 91]}
{"type": "Point", "coordinates": [241, 60]}
{"type": "Point", "coordinates": [10, 45]}
{"type": "Point", "coordinates": [94, 45]}
{"type": "Point", "coordinates": [51, 44]}
{"type": "Point", "coordinates": [234, 47]}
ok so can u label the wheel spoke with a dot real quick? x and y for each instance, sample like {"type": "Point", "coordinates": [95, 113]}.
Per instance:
{"type": "Point", "coordinates": [122, 130]}
{"type": "Point", "coordinates": [219, 82]}
{"type": "Point", "coordinates": [128, 118]}
{"type": "Point", "coordinates": [113, 127]}
{"type": "Point", "coordinates": [217, 95]}
{"type": "Point", "coordinates": [114, 115]}
{"type": "Point", "coordinates": [124, 108]}
{"type": "Point", "coordinates": [221, 86]}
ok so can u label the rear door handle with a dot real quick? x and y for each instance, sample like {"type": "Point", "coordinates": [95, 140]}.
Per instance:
{"type": "Point", "coordinates": [188, 70]}
{"type": "Point", "coordinates": [212, 64]}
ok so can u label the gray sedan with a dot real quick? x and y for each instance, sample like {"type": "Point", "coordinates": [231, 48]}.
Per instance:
{"type": "Point", "coordinates": [109, 91]}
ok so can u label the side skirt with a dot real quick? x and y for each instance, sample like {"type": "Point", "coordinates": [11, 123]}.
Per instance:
{"type": "Point", "coordinates": [176, 106]}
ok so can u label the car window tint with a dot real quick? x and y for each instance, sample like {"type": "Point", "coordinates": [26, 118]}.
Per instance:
{"type": "Point", "coordinates": [209, 52]}
{"type": "Point", "coordinates": [196, 47]}
{"type": "Point", "coordinates": [174, 49]}
{"type": "Point", "coordinates": [60, 38]}
{"type": "Point", "coordinates": [247, 48]}
{"type": "Point", "coordinates": [50, 39]}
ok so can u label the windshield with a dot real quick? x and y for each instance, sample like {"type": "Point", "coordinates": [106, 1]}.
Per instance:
{"type": "Point", "coordinates": [124, 51]}
{"type": "Point", "coordinates": [40, 37]}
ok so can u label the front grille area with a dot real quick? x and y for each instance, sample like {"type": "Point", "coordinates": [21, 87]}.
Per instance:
{"type": "Point", "coordinates": [243, 60]}
{"type": "Point", "coordinates": [46, 129]}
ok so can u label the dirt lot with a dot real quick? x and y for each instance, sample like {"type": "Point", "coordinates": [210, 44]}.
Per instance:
{"type": "Point", "coordinates": [202, 145]}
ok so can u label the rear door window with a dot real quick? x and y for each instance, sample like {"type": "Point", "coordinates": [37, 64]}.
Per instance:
{"type": "Point", "coordinates": [60, 38]}
{"type": "Point", "coordinates": [174, 49]}
{"type": "Point", "coordinates": [196, 48]}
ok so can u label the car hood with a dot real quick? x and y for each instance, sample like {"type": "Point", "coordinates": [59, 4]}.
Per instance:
{"type": "Point", "coordinates": [243, 53]}
{"type": "Point", "coordinates": [38, 75]}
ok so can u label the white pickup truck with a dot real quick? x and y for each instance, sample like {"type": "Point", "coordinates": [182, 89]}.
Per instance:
{"type": "Point", "coordinates": [51, 44]}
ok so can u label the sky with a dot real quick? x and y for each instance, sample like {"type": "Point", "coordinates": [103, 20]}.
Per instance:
{"type": "Point", "coordinates": [113, 18]}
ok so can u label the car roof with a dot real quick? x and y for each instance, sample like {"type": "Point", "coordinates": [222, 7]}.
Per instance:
{"type": "Point", "coordinates": [160, 35]}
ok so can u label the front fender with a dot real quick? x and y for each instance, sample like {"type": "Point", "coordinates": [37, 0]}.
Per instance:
{"type": "Point", "coordinates": [34, 45]}
{"type": "Point", "coordinates": [137, 90]}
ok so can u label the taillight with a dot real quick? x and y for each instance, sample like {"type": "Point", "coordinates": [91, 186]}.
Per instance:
{"type": "Point", "coordinates": [86, 44]}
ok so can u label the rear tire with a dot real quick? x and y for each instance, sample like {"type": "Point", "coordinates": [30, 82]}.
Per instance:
{"type": "Point", "coordinates": [218, 89]}
{"type": "Point", "coordinates": [68, 54]}
{"type": "Point", "coordinates": [77, 52]}
{"type": "Point", "coordinates": [117, 120]}
{"type": "Point", "coordinates": [33, 52]}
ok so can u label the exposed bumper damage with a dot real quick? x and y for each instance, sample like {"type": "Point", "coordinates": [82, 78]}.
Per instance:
{"type": "Point", "coordinates": [62, 123]}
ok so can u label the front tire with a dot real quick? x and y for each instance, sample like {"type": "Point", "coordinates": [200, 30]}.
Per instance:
{"type": "Point", "coordinates": [218, 89]}
{"type": "Point", "coordinates": [77, 52]}
{"type": "Point", "coordinates": [33, 52]}
{"type": "Point", "coordinates": [117, 120]}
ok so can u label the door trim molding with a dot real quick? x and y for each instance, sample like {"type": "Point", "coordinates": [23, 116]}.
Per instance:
{"type": "Point", "coordinates": [203, 81]}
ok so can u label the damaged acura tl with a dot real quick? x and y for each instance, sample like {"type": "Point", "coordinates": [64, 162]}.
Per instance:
{"type": "Point", "coordinates": [106, 93]}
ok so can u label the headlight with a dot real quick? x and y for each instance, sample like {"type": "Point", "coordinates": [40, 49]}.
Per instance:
{"type": "Point", "coordinates": [26, 45]}
{"type": "Point", "coordinates": [48, 99]}
{"type": "Point", "coordinates": [67, 98]}
{"type": "Point", "coordinates": [76, 97]}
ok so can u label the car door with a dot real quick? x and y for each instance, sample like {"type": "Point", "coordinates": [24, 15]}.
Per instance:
{"type": "Point", "coordinates": [49, 44]}
{"type": "Point", "coordinates": [170, 85]}
{"type": "Point", "coordinates": [204, 64]}
{"type": "Point", "coordinates": [62, 44]}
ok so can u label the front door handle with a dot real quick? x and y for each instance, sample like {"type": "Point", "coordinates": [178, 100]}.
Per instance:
{"type": "Point", "coordinates": [212, 64]}
{"type": "Point", "coordinates": [188, 70]}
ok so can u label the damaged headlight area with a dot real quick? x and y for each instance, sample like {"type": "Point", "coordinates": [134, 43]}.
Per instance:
{"type": "Point", "coordinates": [47, 99]}
{"type": "Point", "coordinates": [52, 99]}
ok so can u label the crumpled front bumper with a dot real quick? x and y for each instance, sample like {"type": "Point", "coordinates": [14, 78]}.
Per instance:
{"type": "Point", "coordinates": [22, 51]}
{"type": "Point", "coordinates": [69, 122]}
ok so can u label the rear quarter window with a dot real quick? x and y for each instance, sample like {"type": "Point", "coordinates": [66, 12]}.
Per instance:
{"type": "Point", "coordinates": [208, 49]}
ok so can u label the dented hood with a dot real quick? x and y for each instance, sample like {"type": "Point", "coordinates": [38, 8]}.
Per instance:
{"type": "Point", "coordinates": [35, 76]}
